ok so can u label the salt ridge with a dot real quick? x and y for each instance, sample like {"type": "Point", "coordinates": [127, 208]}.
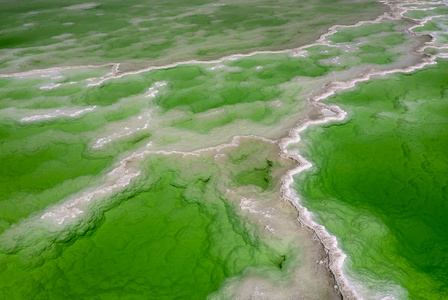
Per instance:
{"type": "Point", "coordinates": [336, 255]}
{"type": "Point", "coordinates": [70, 210]}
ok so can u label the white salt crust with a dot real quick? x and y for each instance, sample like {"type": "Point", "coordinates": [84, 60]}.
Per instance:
{"type": "Point", "coordinates": [126, 171]}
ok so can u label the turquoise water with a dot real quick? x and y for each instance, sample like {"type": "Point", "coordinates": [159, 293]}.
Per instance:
{"type": "Point", "coordinates": [146, 150]}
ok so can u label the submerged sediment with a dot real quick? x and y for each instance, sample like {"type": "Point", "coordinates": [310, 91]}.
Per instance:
{"type": "Point", "coordinates": [187, 168]}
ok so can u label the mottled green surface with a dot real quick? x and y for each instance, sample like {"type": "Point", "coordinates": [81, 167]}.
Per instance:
{"type": "Point", "coordinates": [175, 231]}
{"type": "Point", "coordinates": [173, 235]}
{"type": "Point", "coordinates": [242, 89]}
{"type": "Point", "coordinates": [380, 179]}
{"type": "Point", "coordinates": [45, 33]}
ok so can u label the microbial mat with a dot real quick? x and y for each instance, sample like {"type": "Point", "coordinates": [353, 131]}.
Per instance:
{"type": "Point", "coordinates": [223, 150]}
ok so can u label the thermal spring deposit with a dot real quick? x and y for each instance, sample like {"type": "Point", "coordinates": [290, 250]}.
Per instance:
{"type": "Point", "coordinates": [250, 149]}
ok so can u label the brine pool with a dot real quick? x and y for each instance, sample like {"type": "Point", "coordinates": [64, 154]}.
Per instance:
{"type": "Point", "coordinates": [224, 150]}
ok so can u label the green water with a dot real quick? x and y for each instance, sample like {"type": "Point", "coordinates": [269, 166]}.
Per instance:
{"type": "Point", "coordinates": [135, 187]}
{"type": "Point", "coordinates": [380, 179]}
{"type": "Point", "coordinates": [173, 235]}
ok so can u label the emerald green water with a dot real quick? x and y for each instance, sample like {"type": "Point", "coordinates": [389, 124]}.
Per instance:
{"type": "Point", "coordinates": [165, 183]}
{"type": "Point", "coordinates": [380, 179]}
{"type": "Point", "coordinates": [173, 235]}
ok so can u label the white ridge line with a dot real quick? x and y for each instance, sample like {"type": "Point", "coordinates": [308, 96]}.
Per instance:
{"type": "Point", "coordinates": [320, 41]}
{"type": "Point", "coordinates": [187, 62]}
{"type": "Point", "coordinates": [116, 74]}
{"type": "Point", "coordinates": [336, 256]}
{"type": "Point", "coordinates": [114, 66]}
{"type": "Point", "coordinates": [235, 142]}
{"type": "Point", "coordinates": [390, 15]}
{"type": "Point", "coordinates": [127, 172]}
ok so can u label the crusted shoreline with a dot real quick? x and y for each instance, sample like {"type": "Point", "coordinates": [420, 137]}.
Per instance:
{"type": "Point", "coordinates": [335, 254]}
